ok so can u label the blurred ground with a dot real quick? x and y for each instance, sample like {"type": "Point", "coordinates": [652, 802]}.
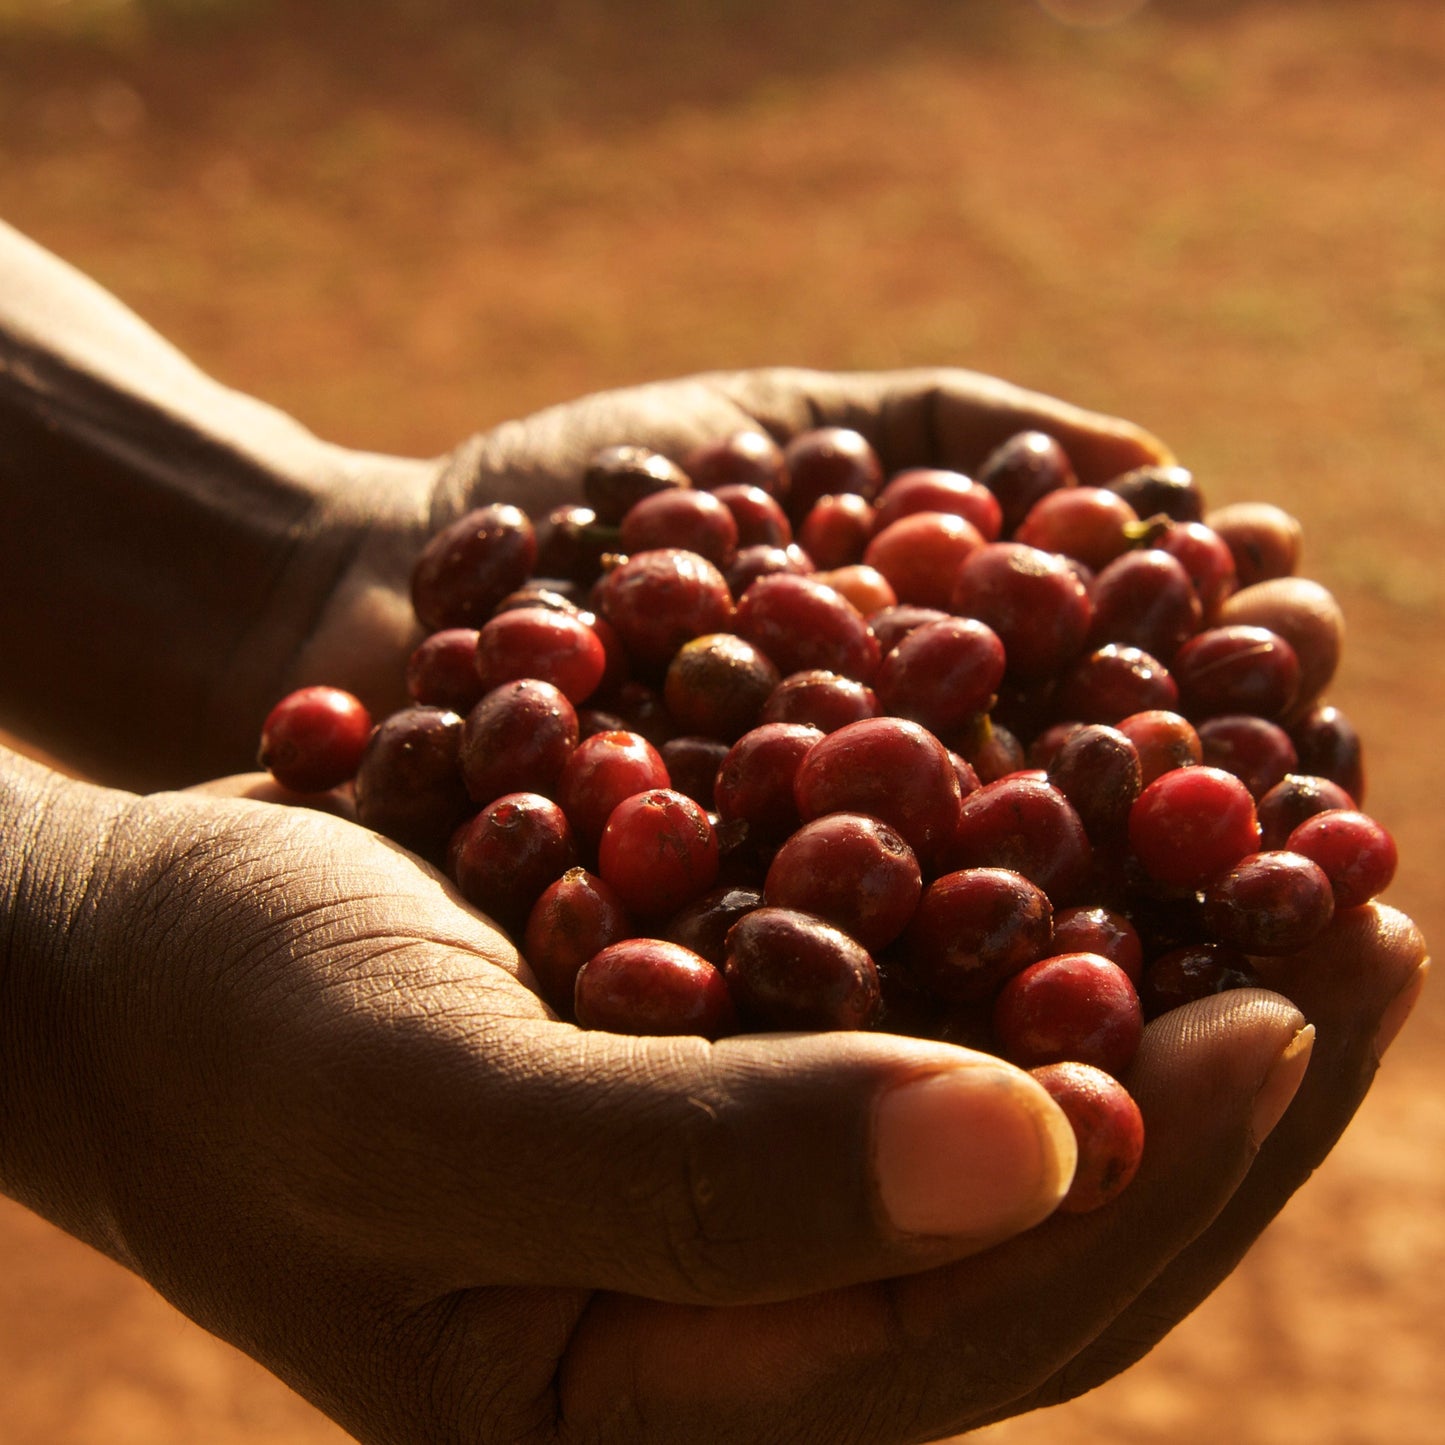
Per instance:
{"type": "Point", "coordinates": [403, 221]}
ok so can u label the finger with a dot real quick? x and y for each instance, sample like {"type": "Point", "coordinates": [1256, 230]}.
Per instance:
{"type": "Point", "coordinates": [918, 1357]}
{"type": "Point", "coordinates": [755, 1168]}
{"type": "Point", "coordinates": [935, 417]}
{"type": "Point", "coordinates": [943, 417]}
{"type": "Point", "coordinates": [263, 788]}
{"type": "Point", "coordinates": [1357, 986]}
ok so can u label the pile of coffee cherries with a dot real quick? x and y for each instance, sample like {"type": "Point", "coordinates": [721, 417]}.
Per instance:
{"type": "Point", "coordinates": [762, 737]}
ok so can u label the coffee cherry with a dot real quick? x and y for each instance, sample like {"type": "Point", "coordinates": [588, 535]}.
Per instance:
{"type": "Point", "coordinates": [1194, 971]}
{"type": "Point", "coordinates": [1269, 903]}
{"type": "Point", "coordinates": [658, 851]}
{"type": "Point", "coordinates": [517, 739]}
{"type": "Point", "coordinates": [603, 770]}
{"type": "Point", "coordinates": [536, 642]}
{"type": "Point", "coordinates": [650, 986]}
{"type": "Point", "coordinates": [409, 782]}
{"type": "Point", "coordinates": [1022, 469]}
{"type": "Point", "coordinates": [1192, 824]}
{"type": "Point", "coordinates": [791, 970]}
{"type": "Point", "coordinates": [507, 855]}
{"type": "Point", "coordinates": [1070, 1006]}
{"type": "Point", "coordinates": [1356, 854]}
{"type": "Point", "coordinates": [851, 870]}
{"type": "Point", "coordinates": [1033, 600]}
{"type": "Point", "coordinates": [747, 458]}
{"type": "Point", "coordinates": [973, 929]}
{"type": "Point", "coordinates": [468, 567]}
{"type": "Point", "coordinates": [313, 738]}
{"type": "Point", "coordinates": [576, 916]}
{"type": "Point", "coordinates": [801, 623]}
{"type": "Point", "coordinates": [442, 670]}
{"type": "Point", "coordinates": [618, 477]}
{"type": "Point", "coordinates": [1108, 1128]}
{"type": "Point", "coordinates": [887, 767]}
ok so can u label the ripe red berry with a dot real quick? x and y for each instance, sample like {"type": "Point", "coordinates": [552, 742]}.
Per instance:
{"type": "Point", "coordinates": [1192, 824]}
{"type": "Point", "coordinates": [650, 986]}
{"type": "Point", "coordinates": [1079, 1006]}
{"type": "Point", "coordinates": [658, 851]}
{"type": "Point", "coordinates": [1108, 1128]}
{"type": "Point", "coordinates": [313, 738]}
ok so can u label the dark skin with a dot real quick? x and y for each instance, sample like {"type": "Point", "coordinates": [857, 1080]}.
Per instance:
{"type": "Point", "coordinates": [277, 1067]}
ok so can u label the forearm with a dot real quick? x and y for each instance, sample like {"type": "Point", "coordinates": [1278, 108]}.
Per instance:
{"type": "Point", "coordinates": [165, 543]}
{"type": "Point", "coordinates": [50, 831]}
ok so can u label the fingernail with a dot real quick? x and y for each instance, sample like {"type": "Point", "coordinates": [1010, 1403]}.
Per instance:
{"type": "Point", "coordinates": [1399, 1009]}
{"type": "Point", "coordinates": [1280, 1085]}
{"type": "Point", "coordinates": [979, 1151]}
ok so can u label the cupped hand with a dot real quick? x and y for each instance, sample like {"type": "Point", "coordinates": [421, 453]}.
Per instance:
{"type": "Point", "coordinates": [314, 1099]}
{"type": "Point", "coordinates": [935, 417]}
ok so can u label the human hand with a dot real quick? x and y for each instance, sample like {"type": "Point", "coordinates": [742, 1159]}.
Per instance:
{"type": "Point", "coordinates": [275, 1065]}
{"type": "Point", "coordinates": [935, 417]}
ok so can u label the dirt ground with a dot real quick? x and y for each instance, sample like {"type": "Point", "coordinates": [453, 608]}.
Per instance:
{"type": "Point", "coordinates": [406, 221]}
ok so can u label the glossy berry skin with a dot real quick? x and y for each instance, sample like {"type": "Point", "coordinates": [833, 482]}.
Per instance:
{"type": "Point", "coordinates": [517, 739]}
{"type": "Point", "coordinates": [973, 929]}
{"type": "Point", "coordinates": [1022, 469]}
{"type": "Point", "coordinates": [647, 986]}
{"type": "Point", "coordinates": [1074, 1006]}
{"type": "Point", "coordinates": [409, 784]}
{"type": "Point", "coordinates": [313, 738]}
{"type": "Point", "coordinates": [1193, 971]}
{"type": "Point", "coordinates": [765, 561]}
{"type": "Point", "coordinates": [507, 855]}
{"type": "Point", "coordinates": [827, 460]}
{"type": "Point", "coordinates": [658, 851]}
{"type": "Point", "coordinates": [1145, 600]}
{"type": "Point", "coordinates": [920, 555]}
{"type": "Point", "coordinates": [836, 529]}
{"type": "Point", "coordinates": [851, 870]}
{"type": "Point", "coordinates": [681, 517]}
{"type": "Point", "coordinates": [1097, 770]}
{"type": "Point", "coordinates": [1258, 752]}
{"type": "Point", "coordinates": [1329, 747]}
{"type": "Point", "coordinates": [1290, 801]}
{"type": "Point", "coordinates": [661, 599]}
{"type": "Point", "coordinates": [1113, 682]}
{"type": "Point", "coordinates": [892, 624]}
{"type": "Point", "coordinates": [887, 767]}
{"type": "Point", "coordinates": [820, 699]}
{"type": "Point", "coordinates": [1269, 903]}
{"type": "Point", "coordinates": [1024, 823]}
{"type": "Point", "coordinates": [716, 685]}
{"type": "Point", "coordinates": [1356, 854]}
{"type": "Point", "coordinates": [1091, 928]}
{"type": "Point", "coordinates": [791, 970]}
{"type": "Point", "coordinates": [1089, 524]}
{"type": "Point", "coordinates": [442, 670]}
{"type": "Point", "coordinates": [1163, 739]}
{"type": "Point", "coordinates": [537, 642]}
{"type": "Point", "coordinates": [468, 567]}
{"type": "Point", "coordinates": [942, 673]}
{"type": "Point", "coordinates": [618, 477]}
{"type": "Point", "coordinates": [1203, 554]}
{"type": "Point", "coordinates": [747, 457]}
{"type": "Point", "coordinates": [930, 489]}
{"type": "Point", "coordinates": [703, 925]}
{"type": "Point", "coordinates": [1192, 824]}
{"type": "Point", "coordinates": [576, 916]}
{"type": "Point", "coordinates": [757, 515]}
{"type": "Point", "coordinates": [755, 784]}
{"type": "Point", "coordinates": [1161, 490]}
{"type": "Point", "coordinates": [603, 770]}
{"type": "Point", "coordinates": [1108, 1129]}
{"type": "Point", "coordinates": [1033, 600]}
{"type": "Point", "coordinates": [801, 623]}
{"type": "Point", "coordinates": [1236, 669]}
{"type": "Point", "coordinates": [864, 586]}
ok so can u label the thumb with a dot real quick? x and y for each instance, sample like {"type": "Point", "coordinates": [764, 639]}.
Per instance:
{"type": "Point", "coordinates": [758, 1167]}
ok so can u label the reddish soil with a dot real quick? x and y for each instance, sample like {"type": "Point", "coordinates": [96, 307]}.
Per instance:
{"type": "Point", "coordinates": [403, 222]}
